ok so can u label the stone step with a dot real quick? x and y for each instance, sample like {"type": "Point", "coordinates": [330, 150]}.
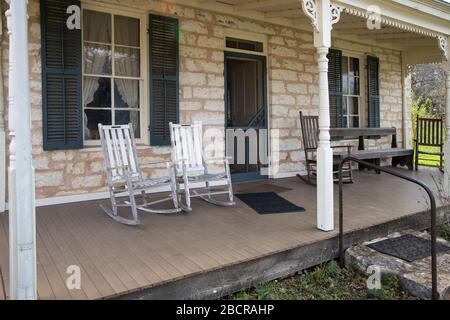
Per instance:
{"type": "Point", "coordinates": [414, 277]}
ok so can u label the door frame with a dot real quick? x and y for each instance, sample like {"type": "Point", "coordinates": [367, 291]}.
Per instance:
{"type": "Point", "coordinates": [248, 176]}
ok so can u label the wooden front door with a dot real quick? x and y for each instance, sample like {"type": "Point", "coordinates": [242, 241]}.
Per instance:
{"type": "Point", "coordinates": [246, 111]}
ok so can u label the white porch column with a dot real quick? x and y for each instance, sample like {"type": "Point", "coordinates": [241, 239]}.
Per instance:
{"type": "Point", "coordinates": [447, 138]}
{"type": "Point", "coordinates": [406, 104]}
{"type": "Point", "coordinates": [22, 245]}
{"type": "Point", "coordinates": [325, 200]}
{"type": "Point", "coordinates": [323, 15]}
{"type": "Point", "coordinates": [2, 134]}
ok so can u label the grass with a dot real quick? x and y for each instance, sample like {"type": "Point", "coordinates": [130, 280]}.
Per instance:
{"type": "Point", "coordinates": [429, 159]}
{"type": "Point", "coordinates": [325, 282]}
{"type": "Point", "coordinates": [443, 231]}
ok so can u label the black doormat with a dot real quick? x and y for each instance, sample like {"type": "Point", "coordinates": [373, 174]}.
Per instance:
{"type": "Point", "coordinates": [268, 203]}
{"type": "Point", "coordinates": [407, 247]}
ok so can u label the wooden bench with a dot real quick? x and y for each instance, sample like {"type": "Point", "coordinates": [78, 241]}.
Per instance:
{"type": "Point", "coordinates": [403, 157]}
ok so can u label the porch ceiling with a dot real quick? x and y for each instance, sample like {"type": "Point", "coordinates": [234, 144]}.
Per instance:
{"type": "Point", "coordinates": [403, 34]}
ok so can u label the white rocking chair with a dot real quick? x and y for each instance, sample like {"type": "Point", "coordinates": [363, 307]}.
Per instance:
{"type": "Point", "coordinates": [125, 176]}
{"type": "Point", "coordinates": [191, 166]}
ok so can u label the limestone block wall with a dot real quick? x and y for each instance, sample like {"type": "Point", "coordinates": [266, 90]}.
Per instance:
{"type": "Point", "coordinates": [292, 86]}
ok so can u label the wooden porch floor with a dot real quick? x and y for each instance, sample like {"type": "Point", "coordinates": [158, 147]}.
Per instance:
{"type": "Point", "coordinates": [117, 259]}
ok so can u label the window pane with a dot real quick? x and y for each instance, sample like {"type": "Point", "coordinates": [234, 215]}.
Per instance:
{"type": "Point", "coordinates": [354, 67]}
{"type": "Point", "coordinates": [344, 106]}
{"type": "Point", "coordinates": [344, 122]}
{"type": "Point", "coordinates": [126, 31]}
{"type": "Point", "coordinates": [353, 106]}
{"type": "Point", "coordinates": [97, 59]}
{"type": "Point", "coordinates": [96, 26]}
{"type": "Point", "coordinates": [344, 84]}
{"type": "Point", "coordinates": [354, 122]}
{"type": "Point", "coordinates": [97, 92]}
{"type": "Point", "coordinates": [126, 117]}
{"type": "Point", "coordinates": [354, 86]}
{"type": "Point", "coordinates": [126, 94]}
{"type": "Point", "coordinates": [127, 62]}
{"type": "Point", "coordinates": [345, 75]}
{"type": "Point", "coordinates": [92, 118]}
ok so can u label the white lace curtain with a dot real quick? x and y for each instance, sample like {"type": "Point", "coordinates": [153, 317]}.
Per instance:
{"type": "Point", "coordinates": [127, 63]}
{"type": "Point", "coordinates": [96, 56]}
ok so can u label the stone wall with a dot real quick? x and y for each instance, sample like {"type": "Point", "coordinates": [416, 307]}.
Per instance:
{"type": "Point", "coordinates": [293, 86]}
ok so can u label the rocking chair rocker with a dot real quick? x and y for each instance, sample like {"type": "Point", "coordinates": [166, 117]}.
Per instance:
{"type": "Point", "coordinates": [191, 167]}
{"type": "Point", "coordinates": [125, 175]}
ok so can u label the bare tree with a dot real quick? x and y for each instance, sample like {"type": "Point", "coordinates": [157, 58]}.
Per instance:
{"type": "Point", "coordinates": [428, 81]}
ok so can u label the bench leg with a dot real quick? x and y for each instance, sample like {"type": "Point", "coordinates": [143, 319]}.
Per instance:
{"type": "Point", "coordinates": [378, 163]}
{"type": "Point", "coordinates": [410, 162]}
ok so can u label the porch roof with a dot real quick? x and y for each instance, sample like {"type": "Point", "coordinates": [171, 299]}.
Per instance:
{"type": "Point", "coordinates": [211, 248]}
{"type": "Point", "coordinates": [418, 27]}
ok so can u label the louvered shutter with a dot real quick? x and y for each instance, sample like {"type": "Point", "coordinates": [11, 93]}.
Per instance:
{"type": "Point", "coordinates": [163, 32]}
{"type": "Point", "coordinates": [373, 91]}
{"type": "Point", "coordinates": [335, 87]}
{"type": "Point", "coordinates": [61, 77]}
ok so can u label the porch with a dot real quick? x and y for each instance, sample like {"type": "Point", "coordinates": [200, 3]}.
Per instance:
{"type": "Point", "coordinates": [211, 251]}
{"type": "Point", "coordinates": [116, 260]}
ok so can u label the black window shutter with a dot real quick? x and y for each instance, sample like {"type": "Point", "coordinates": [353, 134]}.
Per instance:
{"type": "Point", "coordinates": [163, 33]}
{"type": "Point", "coordinates": [61, 77]}
{"type": "Point", "coordinates": [373, 91]}
{"type": "Point", "coordinates": [335, 87]}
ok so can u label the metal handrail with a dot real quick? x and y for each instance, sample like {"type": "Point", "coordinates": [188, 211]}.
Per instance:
{"type": "Point", "coordinates": [434, 293]}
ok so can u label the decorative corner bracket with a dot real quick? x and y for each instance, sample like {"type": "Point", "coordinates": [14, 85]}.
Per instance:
{"type": "Point", "coordinates": [335, 14]}
{"type": "Point", "coordinates": [443, 45]}
{"type": "Point", "coordinates": [310, 9]}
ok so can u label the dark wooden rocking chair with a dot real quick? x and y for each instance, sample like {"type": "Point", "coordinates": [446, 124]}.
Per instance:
{"type": "Point", "coordinates": [429, 133]}
{"type": "Point", "coordinates": [310, 134]}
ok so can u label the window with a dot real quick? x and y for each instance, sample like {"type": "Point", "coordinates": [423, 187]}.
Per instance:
{"type": "Point", "coordinates": [351, 92]}
{"type": "Point", "coordinates": [345, 91]}
{"type": "Point", "coordinates": [112, 72]}
{"type": "Point", "coordinates": [247, 45]}
{"type": "Point", "coordinates": [99, 74]}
